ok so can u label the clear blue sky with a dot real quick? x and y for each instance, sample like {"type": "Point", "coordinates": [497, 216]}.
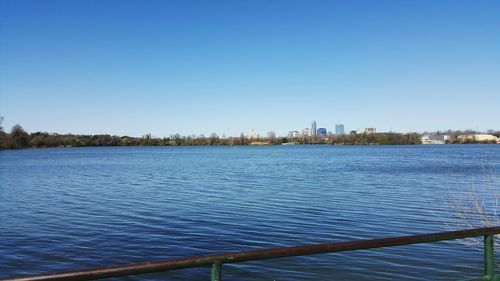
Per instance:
{"type": "Point", "coordinates": [196, 67]}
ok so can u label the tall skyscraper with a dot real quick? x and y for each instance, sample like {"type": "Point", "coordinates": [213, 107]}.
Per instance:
{"type": "Point", "coordinates": [313, 128]}
{"type": "Point", "coordinates": [339, 129]}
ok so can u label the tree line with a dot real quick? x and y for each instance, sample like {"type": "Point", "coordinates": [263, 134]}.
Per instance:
{"type": "Point", "coordinates": [19, 138]}
{"type": "Point", "coordinates": [378, 139]}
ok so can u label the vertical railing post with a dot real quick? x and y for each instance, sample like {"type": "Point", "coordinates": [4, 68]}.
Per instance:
{"type": "Point", "coordinates": [216, 272]}
{"type": "Point", "coordinates": [489, 254]}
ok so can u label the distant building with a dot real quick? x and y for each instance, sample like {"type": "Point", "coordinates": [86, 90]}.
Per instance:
{"type": "Point", "coordinates": [294, 134]}
{"type": "Point", "coordinates": [321, 132]}
{"type": "Point", "coordinates": [353, 132]}
{"type": "Point", "coordinates": [339, 129]}
{"type": "Point", "coordinates": [313, 128]}
{"type": "Point", "coordinates": [370, 130]}
{"type": "Point", "coordinates": [485, 137]}
{"type": "Point", "coordinates": [306, 132]}
{"type": "Point", "coordinates": [478, 138]}
{"type": "Point", "coordinates": [434, 139]}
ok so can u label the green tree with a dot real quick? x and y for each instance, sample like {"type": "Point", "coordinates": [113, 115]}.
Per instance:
{"type": "Point", "coordinates": [214, 139]}
{"type": "Point", "coordinates": [3, 136]}
{"type": "Point", "coordinates": [19, 138]}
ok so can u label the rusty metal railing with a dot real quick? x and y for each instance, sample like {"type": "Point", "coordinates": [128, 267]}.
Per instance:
{"type": "Point", "coordinates": [217, 260]}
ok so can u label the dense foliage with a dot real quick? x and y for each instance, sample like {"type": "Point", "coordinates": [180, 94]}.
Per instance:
{"type": "Point", "coordinates": [378, 138]}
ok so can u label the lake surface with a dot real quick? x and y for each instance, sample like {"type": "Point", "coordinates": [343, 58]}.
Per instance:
{"type": "Point", "coordinates": [77, 208]}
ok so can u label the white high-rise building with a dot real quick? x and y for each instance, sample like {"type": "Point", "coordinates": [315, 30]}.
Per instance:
{"type": "Point", "coordinates": [339, 129]}
{"type": "Point", "coordinates": [313, 128]}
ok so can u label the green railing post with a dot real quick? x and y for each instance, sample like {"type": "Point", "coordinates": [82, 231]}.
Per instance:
{"type": "Point", "coordinates": [489, 254]}
{"type": "Point", "coordinates": [216, 271]}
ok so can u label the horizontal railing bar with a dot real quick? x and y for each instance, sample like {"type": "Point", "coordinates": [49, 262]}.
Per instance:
{"type": "Point", "coordinates": [252, 255]}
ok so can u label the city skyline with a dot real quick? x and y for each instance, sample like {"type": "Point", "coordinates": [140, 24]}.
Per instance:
{"type": "Point", "coordinates": [230, 66]}
{"type": "Point", "coordinates": [337, 129]}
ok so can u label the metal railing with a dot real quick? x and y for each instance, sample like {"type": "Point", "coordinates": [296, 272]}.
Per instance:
{"type": "Point", "coordinates": [217, 260]}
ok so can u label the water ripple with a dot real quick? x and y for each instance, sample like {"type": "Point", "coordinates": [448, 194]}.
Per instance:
{"type": "Point", "coordinates": [75, 208]}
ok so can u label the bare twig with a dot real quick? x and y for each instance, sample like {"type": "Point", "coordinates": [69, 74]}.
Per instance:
{"type": "Point", "coordinates": [475, 204]}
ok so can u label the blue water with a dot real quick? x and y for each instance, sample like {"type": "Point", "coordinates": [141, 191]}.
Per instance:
{"type": "Point", "coordinates": [77, 208]}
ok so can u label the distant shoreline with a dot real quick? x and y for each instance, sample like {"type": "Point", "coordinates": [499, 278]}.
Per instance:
{"type": "Point", "coordinates": [19, 138]}
{"type": "Point", "coordinates": [241, 145]}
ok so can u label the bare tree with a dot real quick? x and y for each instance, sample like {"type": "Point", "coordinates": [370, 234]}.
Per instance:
{"type": "Point", "coordinates": [475, 203]}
